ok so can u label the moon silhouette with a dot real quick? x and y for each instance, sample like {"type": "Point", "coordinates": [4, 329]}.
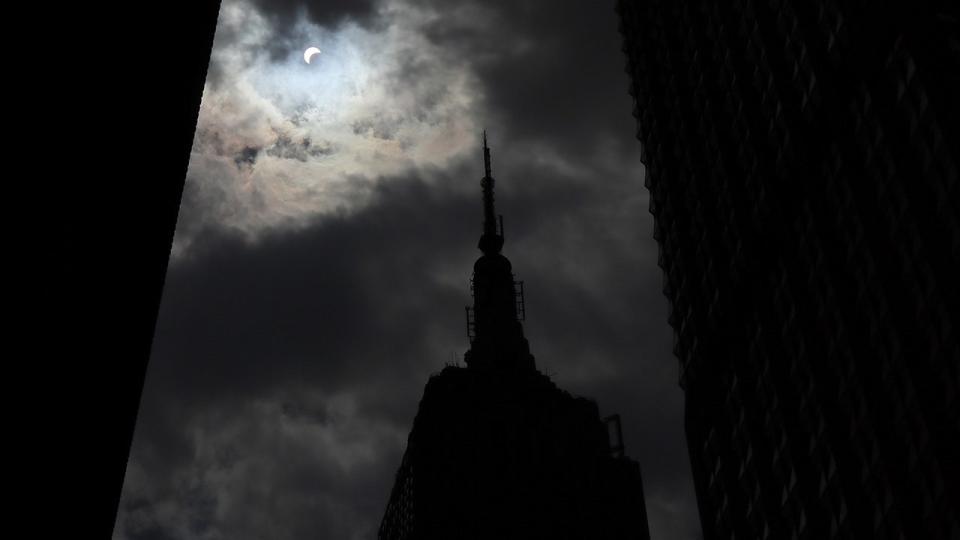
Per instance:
{"type": "Point", "coordinates": [308, 54]}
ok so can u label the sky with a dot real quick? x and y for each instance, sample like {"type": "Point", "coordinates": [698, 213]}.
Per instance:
{"type": "Point", "coordinates": [324, 245]}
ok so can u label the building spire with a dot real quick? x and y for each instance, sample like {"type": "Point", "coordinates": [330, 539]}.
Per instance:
{"type": "Point", "coordinates": [486, 156]}
{"type": "Point", "coordinates": [491, 241]}
{"type": "Point", "coordinates": [494, 321]}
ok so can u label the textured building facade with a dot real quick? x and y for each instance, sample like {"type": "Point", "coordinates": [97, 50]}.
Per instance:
{"type": "Point", "coordinates": [802, 163]}
{"type": "Point", "coordinates": [497, 451]}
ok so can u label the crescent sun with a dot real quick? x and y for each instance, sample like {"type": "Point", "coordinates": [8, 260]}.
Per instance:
{"type": "Point", "coordinates": [308, 54]}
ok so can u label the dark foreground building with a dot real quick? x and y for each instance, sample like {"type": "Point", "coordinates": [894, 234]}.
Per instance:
{"type": "Point", "coordinates": [497, 451]}
{"type": "Point", "coordinates": [802, 162]}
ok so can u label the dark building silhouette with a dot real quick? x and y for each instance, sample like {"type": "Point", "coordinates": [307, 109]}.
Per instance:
{"type": "Point", "coordinates": [801, 159]}
{"type": "Point", "coordinates": [496, 449]}
{"type": "Point", "coordinates": [98, 258]}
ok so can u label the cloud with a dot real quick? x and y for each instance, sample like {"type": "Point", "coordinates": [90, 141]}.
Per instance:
{"type": "Point", "coordinates": [328, 13]}
{"type": "Point", "coordinates": [259, 472]}
{"type": "Point", "coordinates": [553, 71]}
{"type": "Point", "coordinates": [247, 157]}
{"type": "Point", "coordinates": [364, 309]}
{"type": "Point", "coordinates": [306, 139]}
{"type": "Point", "coordinates": [302, 150]}
{"type": "Point", "coordinates": [326, 233]}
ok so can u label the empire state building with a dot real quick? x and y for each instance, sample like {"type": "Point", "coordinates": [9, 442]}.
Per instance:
{"type": "Point", "coordinates": [496, 449]}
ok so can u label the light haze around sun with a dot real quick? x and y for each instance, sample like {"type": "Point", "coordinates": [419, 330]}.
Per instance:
{"type": "Point", "coordinates": [313, 138]}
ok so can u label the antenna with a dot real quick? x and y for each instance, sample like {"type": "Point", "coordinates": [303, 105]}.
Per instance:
{"type": "Point", "coordinates": [490, 241]}
{"type": "Point", "coordinates": [486, 156]}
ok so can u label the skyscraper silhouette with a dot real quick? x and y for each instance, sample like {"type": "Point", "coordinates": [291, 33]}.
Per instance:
{"type": "Point", "coordinates": [496, 449]}
{"type": "Point", "coordinates": [802, 162]}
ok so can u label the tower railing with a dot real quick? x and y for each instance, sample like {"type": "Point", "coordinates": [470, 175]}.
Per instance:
{"type": "Point", "coordinates": [518, 298]}
{"type": "Point", "coordinates": [471, 324]}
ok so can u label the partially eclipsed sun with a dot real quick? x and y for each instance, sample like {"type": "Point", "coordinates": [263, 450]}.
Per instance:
{"type": "Point", "coordinates": [308, 54]}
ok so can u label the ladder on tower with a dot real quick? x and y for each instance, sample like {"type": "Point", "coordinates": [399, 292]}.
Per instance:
{"type": "Point", "coordinates": [518, 298]}
{"type": "Point", "coordinates": [471, 324]}
{"type": "Point", "coordinates": [614, 435]}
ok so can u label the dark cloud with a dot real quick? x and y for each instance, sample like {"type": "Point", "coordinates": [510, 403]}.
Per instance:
{"type": "Point", "coordinates": [381, 128]}
{"type": "Point", "coordinates": [284, 14]}
{"type": "Point", "coordinates": [370, 305]}
{"type": "Point", "coordinates": [247, 157]}
{"type": "Point", "coordinates": [295, 319]}
{"type": "Point", "coordinates": [282, 17]}
{"type": "Point", "coordinates": [286, 370]}
{"type": "Point", "coordinates": [327, 13]}
{"type": "Point", "coordinates": [551, 71]}
{"type": "Point", "coordinates": [309, 300]}
{"type": "Point", "coordinates": [285, 147]}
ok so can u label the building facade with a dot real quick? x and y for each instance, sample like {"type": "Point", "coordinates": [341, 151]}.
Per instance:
{"type": "Point", "coordinates": [802, 161]}
{"type": "Point", "coordinates": [496, 449]}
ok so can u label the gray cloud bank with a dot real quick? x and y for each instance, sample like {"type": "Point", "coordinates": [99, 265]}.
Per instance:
{"type": "Point", "coordinates": [321, 268]}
